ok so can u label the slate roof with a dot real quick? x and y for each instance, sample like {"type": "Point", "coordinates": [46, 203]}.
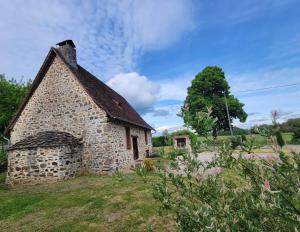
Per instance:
{"type": "Point", "coordinates": [116, 107]}
{"type": "Point", "coordinates": [47, 139]}
{"type": "Point", "coordinates": [106, 98]}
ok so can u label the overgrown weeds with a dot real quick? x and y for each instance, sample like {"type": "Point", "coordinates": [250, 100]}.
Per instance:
{"type": "Point", "coordinates": [243, 194]}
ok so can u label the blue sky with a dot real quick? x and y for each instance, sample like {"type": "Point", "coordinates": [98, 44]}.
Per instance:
{"type": "Point", "coordinates": [150, 50]}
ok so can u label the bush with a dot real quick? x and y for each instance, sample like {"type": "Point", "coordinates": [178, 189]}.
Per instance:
{"type": "Point", "coordinates": [148, 164]}
{"type": "Point", "coordinates": [250, 195]}
{"type": "Point", "coordinates": [235, 141]}
{"type": "Point", "coordinates": [3, 160]}
{"type": "Point", "coordinates": [296, 137]}
{"type": "Point", "coordinates": [160, 141]}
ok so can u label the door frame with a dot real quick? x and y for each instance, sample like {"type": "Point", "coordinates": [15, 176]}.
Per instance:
{"type": "Point", "coordinates": [135, 147]}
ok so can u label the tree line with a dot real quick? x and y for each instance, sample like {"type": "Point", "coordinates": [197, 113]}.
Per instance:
{"type": "Point", "coordinates": [12, 93]}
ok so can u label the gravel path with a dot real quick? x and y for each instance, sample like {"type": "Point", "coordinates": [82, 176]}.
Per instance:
{"type": "Point", "coordinates": [210, 156]}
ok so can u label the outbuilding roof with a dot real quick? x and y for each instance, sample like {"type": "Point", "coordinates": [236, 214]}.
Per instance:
{"type": "Point", "coordinates": [47, 139]}
{"type": "Point", "coordinates": [116, 107]}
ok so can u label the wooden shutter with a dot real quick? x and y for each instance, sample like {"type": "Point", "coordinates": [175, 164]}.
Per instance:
{"type": "Point", "coordinates": [128, 139]}
{"type": "Point", "coordinates": [146, 137]}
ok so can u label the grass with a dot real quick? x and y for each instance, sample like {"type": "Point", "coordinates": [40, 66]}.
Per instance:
{"type": "Point", "coordinates": [86, 203]}
{"type": "Point", "coordinates": [259, 141]}
{"type": "Point", "coordinates": [165, 149]}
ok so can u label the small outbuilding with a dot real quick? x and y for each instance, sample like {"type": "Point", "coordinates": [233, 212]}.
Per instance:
{"type": "Point", "coordinates": [45, 157]}
{"type": "Point", "coordinates": [182, 142]}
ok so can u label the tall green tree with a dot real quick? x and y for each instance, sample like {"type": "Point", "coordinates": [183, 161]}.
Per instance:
{"type": "Point", "coordinates": [207, 91]}
{"type": "Point", "coordinates": [11, 95]}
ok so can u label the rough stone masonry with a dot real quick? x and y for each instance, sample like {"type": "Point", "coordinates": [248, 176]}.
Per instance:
{"type": "Point", "coordinates": [64, 97]}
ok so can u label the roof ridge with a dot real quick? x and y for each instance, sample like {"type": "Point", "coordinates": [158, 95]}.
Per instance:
{"type": "Point", "coordinates": [96, 89]}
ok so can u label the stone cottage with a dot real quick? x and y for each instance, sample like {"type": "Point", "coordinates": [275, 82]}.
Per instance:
{"type": "Point", "coordinates": [71, 122]}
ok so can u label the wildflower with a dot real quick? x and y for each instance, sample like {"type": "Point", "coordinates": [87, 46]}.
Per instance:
{"type": "Point", "coordinates": [266, 186]}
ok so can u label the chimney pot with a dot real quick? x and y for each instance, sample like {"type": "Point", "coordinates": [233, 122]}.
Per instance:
{"type": "Point", "coordinates": [68, 51]}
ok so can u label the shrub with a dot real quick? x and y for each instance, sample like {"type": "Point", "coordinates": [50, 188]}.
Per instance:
{"type": "Point", "coordinates": [296, 137]}
{"type": "Point", "coordinates": [3, 160]}
{"type": "Point", "coordinates": [264, 196]}
{"type": "Point", "coordinates": [235, 141]}
{"type": "Point", "coordinates": [161, 141]}
{"type": "Point", "coordinates": [149, 164]}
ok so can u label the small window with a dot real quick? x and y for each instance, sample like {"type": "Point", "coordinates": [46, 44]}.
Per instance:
{"type": "Point", "coordinates": [128, 140]}
{"type": "Point", "coordinates": [146, 137]}
{"type": "Point", "coordinates": [181, 143]}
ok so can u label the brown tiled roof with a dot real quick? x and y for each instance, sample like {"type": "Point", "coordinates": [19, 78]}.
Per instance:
{"type": "Point", "coordinates": [47, 139]}
{"type": "Point", "coordinates": [109, 100]}
{"type": "Point", "coordinates": [116, 107]}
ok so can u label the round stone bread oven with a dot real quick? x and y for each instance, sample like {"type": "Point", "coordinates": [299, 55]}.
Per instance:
{"type": "Point", "coordinates": [45, 157]}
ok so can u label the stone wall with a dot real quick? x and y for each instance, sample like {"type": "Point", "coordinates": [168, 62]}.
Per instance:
{"type": "Point", "coordinates": [122, 157]}
{"type": "Point", "coordinates": [60, 103]}
{"type": "Point", "coordinates": [43, 164]}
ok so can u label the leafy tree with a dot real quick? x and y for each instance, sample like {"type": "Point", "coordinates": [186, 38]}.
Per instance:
{"type": "Point", "coordinates": [11, 95]}
{"type": "Point", "coordinates": [158, 141]}
{"type": "Point", "coordinates": [290, 125]}
{"type": "Point", "coordinates": [207, 90]}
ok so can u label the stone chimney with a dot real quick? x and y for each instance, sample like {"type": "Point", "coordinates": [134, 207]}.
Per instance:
{"type": "Point", "coordinates": [68, 51]}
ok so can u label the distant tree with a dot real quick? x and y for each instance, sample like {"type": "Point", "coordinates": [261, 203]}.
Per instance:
{"type": "Point", "coordinates": [257, 128]}
{"type": "Point", "coordinates": [290, 125]}
{"type": "Point", "coordinates": [165, 134]}
{"type": "Point", "coordinates": [236, 131]}
{"type": "Point", "coordinates": [207, 90]}
{"type": "Point", "coordinates": [159, 141]}
{"type": "Point", "coordinates": [11, 95]}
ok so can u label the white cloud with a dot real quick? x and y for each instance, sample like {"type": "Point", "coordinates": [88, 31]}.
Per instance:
{"type": "Point", "coordinates": [140, 92]}
{"type": "Point", "coordinates": [175, 88]}
{"type": "Point", "coordinates": [169, 128]}
{"type": "Point", "coordinates": [110, 35]}
{"type": "Point", "coordinates": [161, 113]}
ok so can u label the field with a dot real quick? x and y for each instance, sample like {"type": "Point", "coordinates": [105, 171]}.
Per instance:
{"type": "Point", "coordinates": [86, 203]}
{"type": "Point", "coordinates": [259, 139]}
{"type": "Point", "coordinates": [260, 142]}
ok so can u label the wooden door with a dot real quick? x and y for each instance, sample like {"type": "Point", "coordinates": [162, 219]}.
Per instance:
{"type": "Point", "coordinates": [135, 148]}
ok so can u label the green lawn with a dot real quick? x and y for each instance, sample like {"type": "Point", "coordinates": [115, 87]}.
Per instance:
{"type": "Point", "coordinates": [259, 139]}
{"type": "Point", "coordinates": [86, 203]}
